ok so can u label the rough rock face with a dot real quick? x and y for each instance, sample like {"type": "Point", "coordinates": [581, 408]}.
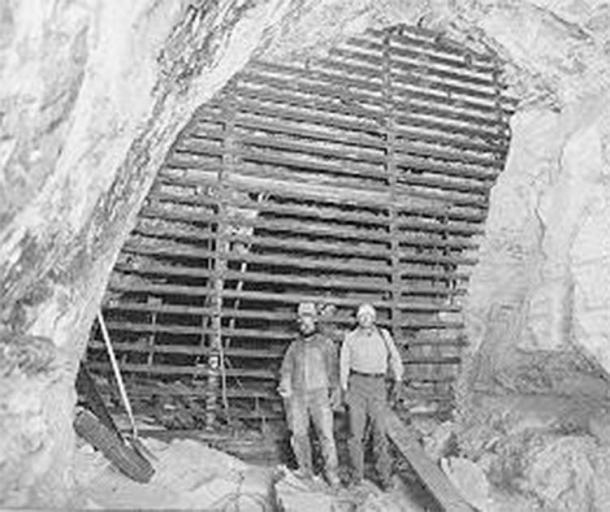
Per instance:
{"type": "Point", "coordinates": [92, 94]}
{"type": "Point", "coordinates": [33, 401]}
{"type": "Point", "coordinates": [540, 286]}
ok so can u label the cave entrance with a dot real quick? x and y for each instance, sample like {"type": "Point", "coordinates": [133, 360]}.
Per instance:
{"type": "Point", "coordinates": [361, 176]}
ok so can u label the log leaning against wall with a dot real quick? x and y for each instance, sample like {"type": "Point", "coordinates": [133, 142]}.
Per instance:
{"type": "Point", "coordinates": [362, 176]}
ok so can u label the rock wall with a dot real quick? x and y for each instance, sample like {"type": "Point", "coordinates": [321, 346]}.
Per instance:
{"type": "Point", "coordinates": [92, 93]}
{"type": "Point", "coordinates": [539, 288]}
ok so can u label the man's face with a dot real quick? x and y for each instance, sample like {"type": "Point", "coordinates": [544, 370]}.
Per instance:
{"type": "Point", "coordinates": [365, 320]}
{"type": "Point", "coordinates": [307, 324]}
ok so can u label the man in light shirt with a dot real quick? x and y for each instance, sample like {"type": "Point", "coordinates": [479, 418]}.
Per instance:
{"type": "Point", "coordinates": [366, 355]}
{"type": "Point", "coordinates": [309, 385]}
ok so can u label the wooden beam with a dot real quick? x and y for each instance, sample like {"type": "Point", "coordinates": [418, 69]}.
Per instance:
{"type": "Point", "coordinates": [285, 297]}
{"type": "Point", "coordinates": [326, 229]}
{"type": "Point", "coordinates": [431, 476]}
{"type": "Point", "coordinates": [403, 275]}
{"type": "Point", "coordinates": [407, 322]}
{"type": "Point", "coordinates": [414, 61]}
{"type": "Point", "coordinates": [424, 49]}
{"type": "Point", "coordinates": [341, 197]}
{"type": "Point", "coordinates": [168, 369]}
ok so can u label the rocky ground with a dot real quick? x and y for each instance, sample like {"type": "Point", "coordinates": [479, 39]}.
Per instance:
{"type": "Point", "coordinates": [528, 453]}
{"type": "Point", "coordinates": [191, 475]}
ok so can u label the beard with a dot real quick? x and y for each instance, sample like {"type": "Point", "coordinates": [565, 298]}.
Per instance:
{"type": "Point", "coordinates": [307, 330]}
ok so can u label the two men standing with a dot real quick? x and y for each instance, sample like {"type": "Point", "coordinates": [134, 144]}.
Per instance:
{"type": "Point", "coordinates": [310, 379]}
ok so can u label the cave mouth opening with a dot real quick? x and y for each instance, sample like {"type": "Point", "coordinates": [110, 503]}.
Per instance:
{"type": "Point", "coordinates": [364, 175]}
{"type": "Point", "coordinates": [535, 309]}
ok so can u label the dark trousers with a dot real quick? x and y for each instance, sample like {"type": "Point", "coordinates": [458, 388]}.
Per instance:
{"type": "Point", "coordinates": [366, 398]}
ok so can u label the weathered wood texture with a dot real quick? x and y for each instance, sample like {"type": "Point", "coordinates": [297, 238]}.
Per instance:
{"type": "Point", "coordinates": [362, 176]}
{"type": "Point", "coordinates": [405, 439]}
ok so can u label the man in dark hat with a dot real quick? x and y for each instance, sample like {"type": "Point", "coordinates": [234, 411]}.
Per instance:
{"type": "Point", "coordinates": [309, 383]}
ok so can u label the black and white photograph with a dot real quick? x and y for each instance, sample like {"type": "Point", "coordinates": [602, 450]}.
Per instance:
{"type": "Point", "coordinates": [305, 255]}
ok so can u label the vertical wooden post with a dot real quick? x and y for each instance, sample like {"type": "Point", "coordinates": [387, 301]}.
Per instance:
{"type": "Point", "coordinates": [216, 363]}
{"type": "Point", "coordinates": [151, 337]}
{"type": "Point", "coordinates": [392, 177]}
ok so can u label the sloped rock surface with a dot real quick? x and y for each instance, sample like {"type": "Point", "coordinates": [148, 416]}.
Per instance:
{"type": "Point", "coordinates": [188, 476]}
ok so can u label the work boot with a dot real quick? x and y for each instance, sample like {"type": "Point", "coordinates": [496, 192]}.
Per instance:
{"type": "Point", "coordinates": [356, 483]}
{"type": "Point", "coordinates": [302, 452]}
{"type": "Point", "coordinates": [387, 484]}
{"type": "Point", "coordinates": [304, 473]}
{"type": "Point", "coordinates": [333, 480]}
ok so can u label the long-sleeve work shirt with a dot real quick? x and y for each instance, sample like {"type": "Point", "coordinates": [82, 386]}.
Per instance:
{"type": "Point", "coordinates": [310, 363]}
{"type": "Point", "coordinates": [369, 351]}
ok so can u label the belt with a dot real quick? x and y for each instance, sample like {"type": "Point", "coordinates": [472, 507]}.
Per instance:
{"type": "Point", "coordinates": [370, 375]}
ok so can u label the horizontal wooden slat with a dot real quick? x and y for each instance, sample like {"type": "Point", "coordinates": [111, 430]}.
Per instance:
{"type": "Point", "coordinates": [143, 347]}
{"type": "Point", "coordinates": [361, 73]}
{"type": "Point", "coordinates": [328, 280]}
{"type": "Point", "coordinates": [372, 88]}
{"type": "Point", "coordinates": [380, 221]}
{"type": "Point", "coordinates": [409, 63]}
{"type": "Point", "coordinates": [253, 107]}
{"type": "Point", "coordinates": [340, 153]}
{"type": "Point", "coordinates": [331, 71]}
{"type": "Point", "coordinates": [457, 342]}
{"type": "Point", "coordinates": [360, 184]}
{"type": "Point", "coordinates": [413, 134]}
{"type": "Point", "coordinates": [404, 106]}
{"type": "Point", "coordinates": [167, 369]}
{"type": "Point", "coordinates": [436, 44]}
{"type": "Point", "coordinates": [287, 297]}
{"type": "Point", "coordinates": [142, 390]}
{"type": "Point", "coordinates": [341, 196]}
{"type": "Point", "coordinates": [427, 51]}
{"type": "Point", "coordinates": [354, 264]}
{"type": "Point", "coordinates": [451, 234]}
{"type": "Point", "coordinates": [356, 117]}
{"type": "Point", "coordinates": [408, 159]}
{"type": "Point", "coordinates": [246, 353]}
{"type": "Point", "coordinates": [411, 288]}
{"type": "Point", "coordinates": [368, 138]}
{"type": "Point", "coordinates": [358, 283]}
{"type": "Point", "coordinates": [373, 240]}
{"type": "Point", "coordinates": [197, 330]}
{"type": "Point", "coordinates": [405, 321]}
{"type": "Point", "coordinates": [414, 361]}
{"type": "Point", "coordinates": [279, 260]}
{"type": "Point", "coordinates": [486, 106]}
{"type": "Point", "coordinates": [489, 165]}
{"type": "Point", "coordinates": [367, 50]}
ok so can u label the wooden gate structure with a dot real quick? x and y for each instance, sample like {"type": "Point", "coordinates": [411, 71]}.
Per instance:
{"type": "Point", "coordinates": [361, 176]}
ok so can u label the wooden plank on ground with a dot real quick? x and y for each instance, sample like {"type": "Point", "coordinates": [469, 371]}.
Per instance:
{"type": "Point", "coordinates": [431, 476]}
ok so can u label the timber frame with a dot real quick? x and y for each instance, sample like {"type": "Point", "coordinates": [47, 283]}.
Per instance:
{"type": "Point", "coordinates": [361, 176]}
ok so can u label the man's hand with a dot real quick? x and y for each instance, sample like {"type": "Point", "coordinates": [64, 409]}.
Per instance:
{"type": "Point", "coordinates": [395, 394]}
{"type": "Point", "coordinates": [284, 392]}
{"type": "Point", "coordinates": [336, 398]}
